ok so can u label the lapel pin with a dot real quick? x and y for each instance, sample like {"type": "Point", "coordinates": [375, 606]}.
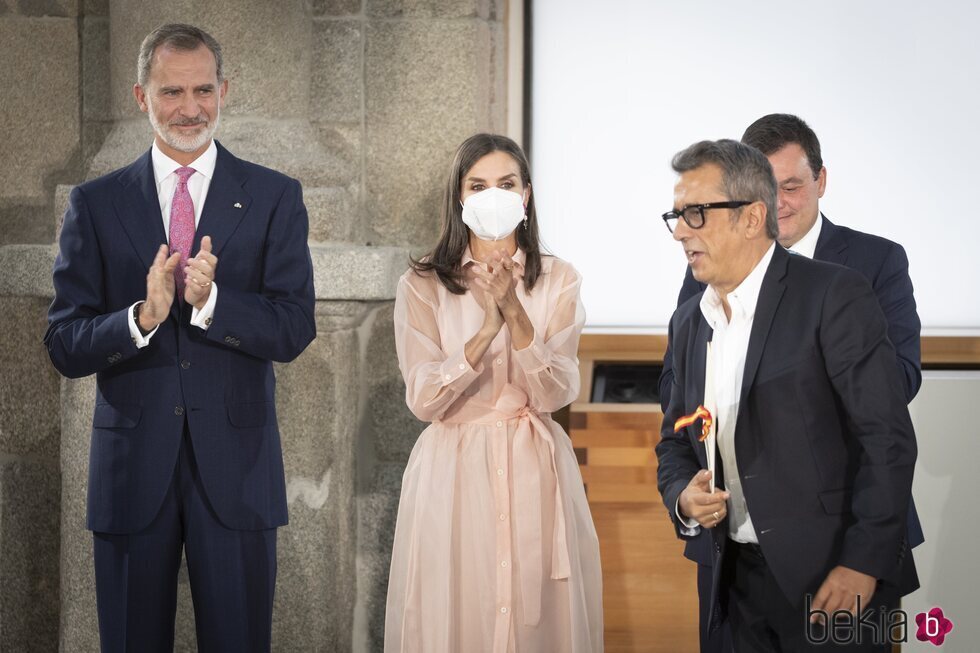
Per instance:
{"type": "Point", "coordinates": [238, 205]}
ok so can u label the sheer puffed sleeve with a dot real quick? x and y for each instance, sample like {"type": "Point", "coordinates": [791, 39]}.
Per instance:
{"type": "Point", "coordinates": [433, 379]}
{"type": "Point", "coordinates": [550, 362]}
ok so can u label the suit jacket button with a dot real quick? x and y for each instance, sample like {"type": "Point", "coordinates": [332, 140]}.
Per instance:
{"type": "Point", "coordinates": [110, 359]}
{"type": "Point", "coordinates": [178, 410]}
{"type": "Point", "coordinates": [227, 338]}
{"type": "Point", "coordinates": [185, 365]}
{"type": "Point", "coordinates": [717, 548]}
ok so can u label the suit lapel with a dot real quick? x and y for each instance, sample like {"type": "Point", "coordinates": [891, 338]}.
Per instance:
{"type": "Point", "coordinates": [831, 245]}
{"type": "Point", "coordinates": [765, 310]}
{"type": "Point", "coordinates": [226, 203]}
{"type": "Point", "coordinates": [138, 209]}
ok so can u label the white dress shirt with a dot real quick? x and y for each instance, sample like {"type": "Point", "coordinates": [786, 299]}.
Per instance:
{"type": "Point", "coordinates": [164, 172]}
{"type": "Point", "coordinates": [729, 346]}
{"type": "Point", "coordinates": [807, 245]}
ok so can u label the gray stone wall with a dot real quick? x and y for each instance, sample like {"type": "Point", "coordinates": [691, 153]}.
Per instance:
{"type": "Point", "coordinates": [364, 101]}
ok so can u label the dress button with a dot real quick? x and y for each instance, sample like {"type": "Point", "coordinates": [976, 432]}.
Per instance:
{"type": "Point", "coordinates": [503, 610]}
{"type": "Point", "coordinates": [503, 564]}
{"type": "Point", "coordinates": [500, 361]}
{"type": "Point", "coordinates": [185, 365]}
{"type": "Point", "coordinates": [500, 472]}
{"type": "Point", "coordinates": [499, 423]}
{"type": "Point", "coordinates": [503, 516]}
{"type": "Point", "coordinates": [462, 366]}
{"type": "Point", "coordinates": [178, 410]}
{"type": "Point", "coordinates": [449, 377]}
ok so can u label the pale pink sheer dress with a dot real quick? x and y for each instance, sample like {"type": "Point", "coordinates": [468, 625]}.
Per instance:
{"type": "Point", "coordinates": [491, 553]}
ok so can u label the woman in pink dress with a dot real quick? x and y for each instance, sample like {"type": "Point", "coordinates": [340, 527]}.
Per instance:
{"type": "Point", "coordinates": [495, 549]}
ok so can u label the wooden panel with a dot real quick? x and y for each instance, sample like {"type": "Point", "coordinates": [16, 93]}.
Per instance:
{"type": "Point", "coordinates": [615, 421]}
{"type": "Point", "coordinates": [649, 588]}
{"type": "Point", "coordinates": [635, 347]}
{"type": "Point", "coordinates": [621, 457]}
{"type": "Point", "coordinates": [938, 351]}
{"type": "Point", "coordinates": [614, 438]}
{"type": "Point", "coordinates": [645, 493]}
{"type": "Point", "coordinates": [618, 475]}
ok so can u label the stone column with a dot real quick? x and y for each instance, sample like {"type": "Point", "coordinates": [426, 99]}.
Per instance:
{"type": "Point", "coordinates": [39, 122]}
{"type": "Point", "coordinates": [30, 485]}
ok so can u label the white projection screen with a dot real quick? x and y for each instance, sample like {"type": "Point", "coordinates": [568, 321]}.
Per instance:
{"type": "Point", "coordinates": [892, 90]}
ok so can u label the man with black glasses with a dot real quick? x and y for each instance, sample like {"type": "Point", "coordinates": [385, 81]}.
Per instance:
{"type": "Point", "coordinates": [806, 513]}
{"type": "Point", "coordinates": [794, 152]}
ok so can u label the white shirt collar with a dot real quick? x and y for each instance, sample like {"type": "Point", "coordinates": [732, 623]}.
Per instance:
{"type": "Point", "coordinates": [164, 166]}
{"type": "Point", "coordinates": [742, 300]}
{"type": "Point", "coordinates": [807, 245]}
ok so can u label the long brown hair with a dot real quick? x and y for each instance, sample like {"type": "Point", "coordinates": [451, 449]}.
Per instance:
{"type": "Point", "coordinates": [447, 256]}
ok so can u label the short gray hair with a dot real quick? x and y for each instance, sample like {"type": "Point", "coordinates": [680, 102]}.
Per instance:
{"type": "Point", "coordinates": [746, 173]}
{"type": "Point", "coordinates": [179, 37]}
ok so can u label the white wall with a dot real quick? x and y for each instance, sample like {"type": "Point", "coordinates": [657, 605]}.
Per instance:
{"type": "Point", "coordinates": [891, 88]}
{"type": "Point", "coordinates": [945, 496]}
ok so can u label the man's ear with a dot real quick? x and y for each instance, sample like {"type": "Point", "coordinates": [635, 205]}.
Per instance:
{"type": "Point", "coordinates": [140, 96]}
{"type": "Point", "coordinates": [222, 92]}
{"type": "Point", "coordinates": [754, 215]}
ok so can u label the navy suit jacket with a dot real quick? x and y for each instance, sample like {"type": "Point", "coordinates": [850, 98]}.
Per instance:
{"type": "Point", "coordinates": [220, 381]}
{"type": "Point", "coordinates": [823, 438]}
{"type": "Point", "coordinates": [886, 267]}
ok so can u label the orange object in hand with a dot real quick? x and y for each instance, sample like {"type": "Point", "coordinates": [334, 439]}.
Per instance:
{"type": "Point", "coordinates": [702, 414]}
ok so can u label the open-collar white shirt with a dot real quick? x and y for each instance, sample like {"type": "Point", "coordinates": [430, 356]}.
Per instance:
{"type": "Point", "coordinates": [729, 346]}
{"type": "Point", "coordinates": [807, 245]}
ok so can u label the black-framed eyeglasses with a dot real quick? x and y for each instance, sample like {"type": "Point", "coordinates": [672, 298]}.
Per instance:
{"type": "Point", "coordinates": [693, 214]}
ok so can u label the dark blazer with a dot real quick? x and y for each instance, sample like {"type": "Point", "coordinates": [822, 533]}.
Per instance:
{"type": "Point", "coordinates": [220, 381]}
{"type": "Point", "coordinates": [823, 437]}
{"type": "Point", "coordinates": [886, 267]}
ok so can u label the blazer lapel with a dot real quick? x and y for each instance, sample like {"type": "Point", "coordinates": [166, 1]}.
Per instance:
{"type": "Point", "coordinates": [765, 310]}
{"type": "Point", "coordinates": [138, 209]}
{"type": "Point", "coordinates": [226, 203]}
{"type": "Point", "coordinates": [831, 245]}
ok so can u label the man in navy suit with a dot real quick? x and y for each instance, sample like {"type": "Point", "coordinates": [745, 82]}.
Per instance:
{"type": "Point", "coordinates": [815, 446]}
{"type": "Point", "coordinates": [185, 450]}
{"type": "Point", "coordinates": [793, 151]}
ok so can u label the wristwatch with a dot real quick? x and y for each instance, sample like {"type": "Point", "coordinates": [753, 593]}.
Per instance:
{"type": "Point", "coordinates": [136, 319]}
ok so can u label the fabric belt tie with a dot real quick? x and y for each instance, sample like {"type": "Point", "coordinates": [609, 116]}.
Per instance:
{"type": "Point", "coordinates": [526, 511]}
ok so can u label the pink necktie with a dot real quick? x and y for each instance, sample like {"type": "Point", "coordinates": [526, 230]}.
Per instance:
{"type": "Point", "coordinates": [181, 225]}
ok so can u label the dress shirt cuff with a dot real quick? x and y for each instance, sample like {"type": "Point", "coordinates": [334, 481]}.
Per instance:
{"type": "Point", "coordinates": [535, 357]}
{"type": "Point", "coordinates": [457, 373]}
{"type": "Point", "coordinates": [687, 526]}
{"type": "Point", "coordinates": [138, 338]}
{"type": "Point", "coordinates": [202, 318]}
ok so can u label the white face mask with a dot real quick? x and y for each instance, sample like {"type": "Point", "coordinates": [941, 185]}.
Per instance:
{"type": "Point", "coordinates": [494, 213]}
